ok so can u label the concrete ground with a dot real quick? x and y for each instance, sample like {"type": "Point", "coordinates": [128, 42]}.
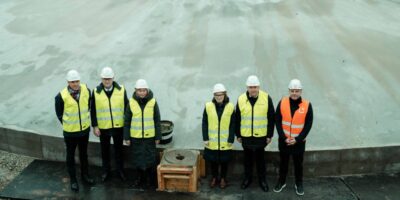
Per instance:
{"type": "Point", "coordinates": [49, 180]}
{"type": "Point", "coordinates": [345, 52]}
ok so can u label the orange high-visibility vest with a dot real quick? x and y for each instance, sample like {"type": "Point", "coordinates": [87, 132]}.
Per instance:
{"type": "Point", "coordinates": [292, 127]}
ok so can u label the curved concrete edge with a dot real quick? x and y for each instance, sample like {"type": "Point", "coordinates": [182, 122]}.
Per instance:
{"type": "Point", "coordinates": [316, 163]}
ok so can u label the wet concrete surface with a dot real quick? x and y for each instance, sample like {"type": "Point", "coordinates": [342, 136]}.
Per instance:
{"type": "Point", "coordinates": [345, 52]}
{"type": "Point", "coordinates": [47, 179]}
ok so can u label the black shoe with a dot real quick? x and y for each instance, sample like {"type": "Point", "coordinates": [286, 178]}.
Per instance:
{"type": "Point", "coordinates": [279, 186]}
{"type": "Point", "coordinates": [87, 179]}
{"type": "Point", "coordinates": [74, 186]}
{"type": "Point", "coordinates": [137, 183]}
{"type": "Point", "coordinates": [299, 189]}
{"type": "Point", "coordinates": [122, 175]}
{"type": "Point", "coordinates": [105, 176]}
{"type": "Point", "coordinates": [246, 183]}
{"type": "Point", "coordinates": [264, 186]}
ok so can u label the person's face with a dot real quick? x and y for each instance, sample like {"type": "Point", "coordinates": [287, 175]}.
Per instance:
{"type": "Point", "coordinates": [74, 84]}
{"type": "Point", "coordinates": [253, 90]}
{"type": "Point", "coordinates": [219, 97]}
{"type": "Point", "coordinates": [141, 92]}
{"type": "Point", "coordinates": [294, 94]}
{"type": "Point", "coordinates": [107, 82]}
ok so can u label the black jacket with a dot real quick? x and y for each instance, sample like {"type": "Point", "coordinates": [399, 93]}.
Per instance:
{"type": "Point", "coordinates": [98, 90]}
{"type": "Point", "coordinates": [59, 107]}
{"type": "Point", "coordinates": [220, 109]}
{"type": "Point", "coordinates": [142, 104]}
{"type": "Point", "coordinates": [294, 105]}
{"type": "Point", "coordinates": [256, 142]}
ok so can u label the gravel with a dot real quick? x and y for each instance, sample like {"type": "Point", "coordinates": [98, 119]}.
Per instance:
{"type": "Point", "coordinates": [11, 165]}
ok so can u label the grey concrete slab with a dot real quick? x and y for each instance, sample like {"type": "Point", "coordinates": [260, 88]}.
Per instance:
{"type": "Point", "coordinates": [53, 148]}
{"type": "Point", "coordinates": [383, 186]}
{"type": "Point", "coordinates": [24, 143]}
{"type": "Point", "coordinates": [316, 163]}
{"type": "Point", "coordinates": [3, 139]}
{"type": "Point", "coordinates": [345, 52]}
{"type": "Point", "coordinates": [46, 179]}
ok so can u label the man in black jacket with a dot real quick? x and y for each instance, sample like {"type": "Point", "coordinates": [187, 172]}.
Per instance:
{"type": "Point", "coordinates": [294, 118]}
{"type": "Point", "coordinates": [72, 108]}
{"type": "Point", "coordinates": [255, 128]}
{"type": "Point", "coordinates": [108, 102]}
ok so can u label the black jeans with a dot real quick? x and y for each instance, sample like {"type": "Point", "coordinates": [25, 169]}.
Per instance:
{"type": "Point", "coordinates": [284, 165]}
{"type": "Point", "coordinates": [71, 144]}
{"type": "Point", "coordinates": [105, 138]}
{"type": "Point", "coordinates": [257, 155]}
{"type": "Point", "coordinates": [215, 169]}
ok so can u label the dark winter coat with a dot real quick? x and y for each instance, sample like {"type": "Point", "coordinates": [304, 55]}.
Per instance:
{"type": "Point", "coordinates": [143, 150]}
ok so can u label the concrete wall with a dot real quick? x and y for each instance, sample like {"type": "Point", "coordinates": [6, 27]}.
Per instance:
{"type": "Point", "coordinates": [316, 163]}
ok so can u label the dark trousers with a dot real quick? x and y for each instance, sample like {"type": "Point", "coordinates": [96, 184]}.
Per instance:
{"type": "Point", "coordinates": [257, 155]}
{"type": "Point", "coordinates": [105, 138]}
{"type": "Point", "coordinates": [215, 169]}
{"type": "Point", "coordinates": [147, 177]}
{"type": "Point", "coordinates": [71, 144]}
{"type": "Point", "coordinates": [284, 165]}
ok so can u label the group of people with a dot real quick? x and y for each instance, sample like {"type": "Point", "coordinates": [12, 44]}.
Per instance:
{"type": "Point", "coordinates": [252, 120]}
{"type": "Point", "coordinates": [136, 122]}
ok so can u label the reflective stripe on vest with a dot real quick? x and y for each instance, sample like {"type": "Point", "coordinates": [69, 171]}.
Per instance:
{"type": "Point", "coordinates": [110, 118]}
{"type": "Point", "coordinates": [254, 120]}
{"type": "Point", "coordinates": [142, 124]}
{"type": "Point", "coordinates": [218, 131]}
{"type": "Point", "coordinates": [76, 114]}
{"type": "Point", "coordinates": [292, 127]}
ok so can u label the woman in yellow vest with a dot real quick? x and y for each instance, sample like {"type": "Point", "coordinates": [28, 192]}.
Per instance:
{"type": "Point", "coordinates": [107, 112]}
{"type": "Point", "coordinates": [142, 132]}
{"type": "Point", "coordinates": [218, 134]}
{"type": "Point", "coordinates": [72, 109]}
{"type": "Point", "coordinates": [294, 118]}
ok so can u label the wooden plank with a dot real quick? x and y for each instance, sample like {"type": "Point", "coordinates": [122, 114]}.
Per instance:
{"type": "Point", "coordinates": [167, 176]}
{"type": "Point", "coordinates": [202, 166]}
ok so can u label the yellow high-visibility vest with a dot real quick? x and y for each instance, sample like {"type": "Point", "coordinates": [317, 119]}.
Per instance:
{"type": "Point", "coordinates": [110, 111]}
{"type": "Point", "coordinates": [218, 131]}
{"type": "Point", "coordinates": [254, 120]}
{"type": "Point", "coordinates": [76, 114]}
{"type": "Point", "coordinates": [142, 123]}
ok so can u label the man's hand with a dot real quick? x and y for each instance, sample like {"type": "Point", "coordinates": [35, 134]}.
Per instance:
{"type": "Point", "coordinates": [239, 139]}
{"type": "Point", "coordinates": [97, 131]}
{"type": "Point", "coordinates": [206, 143]}
{"type": "Point", "coordinates": [127, 142]}
{"type": "Point", "coordinates": [157, 141]}
{"type": "Point", "coordinates": [290, 141]}
{"type": "Point", "coordinates": [269, 140]}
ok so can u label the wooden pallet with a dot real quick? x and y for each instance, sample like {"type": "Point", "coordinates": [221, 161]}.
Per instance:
{"type": "Point", "coordinates": [180, 178]}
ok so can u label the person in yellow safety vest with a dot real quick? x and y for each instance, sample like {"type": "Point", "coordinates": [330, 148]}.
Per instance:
{"type": "Point", "coordinates": [72, 107]}
{"type": "Point", "coordinates": [142, 131]}
{"type": "Point", "coordinates": [294, 118]}
{"type": "Point", "coordinates": [255, 128]}
{"type": "Point", "coordinates": [108, 104]}
{"type": "Point", "coordinates": [218, 134]}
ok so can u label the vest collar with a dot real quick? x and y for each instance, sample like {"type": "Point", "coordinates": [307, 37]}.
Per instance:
{"type": "Point", "coordinates": [100, 87]}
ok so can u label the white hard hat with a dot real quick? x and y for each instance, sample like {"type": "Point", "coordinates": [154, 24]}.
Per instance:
{"type": "Point", "coordinates": [219, 88]}
{"type": "Point", "coordinates": [252, 81]}
{"type": "Point", "coordinates": [107, 72]}
{"type": "Point", "coordinates": [141, 83]}
{"type": "Point", "coordinates": [295, 84]}
{"type": "Point", "coordinates": [73, 75]}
